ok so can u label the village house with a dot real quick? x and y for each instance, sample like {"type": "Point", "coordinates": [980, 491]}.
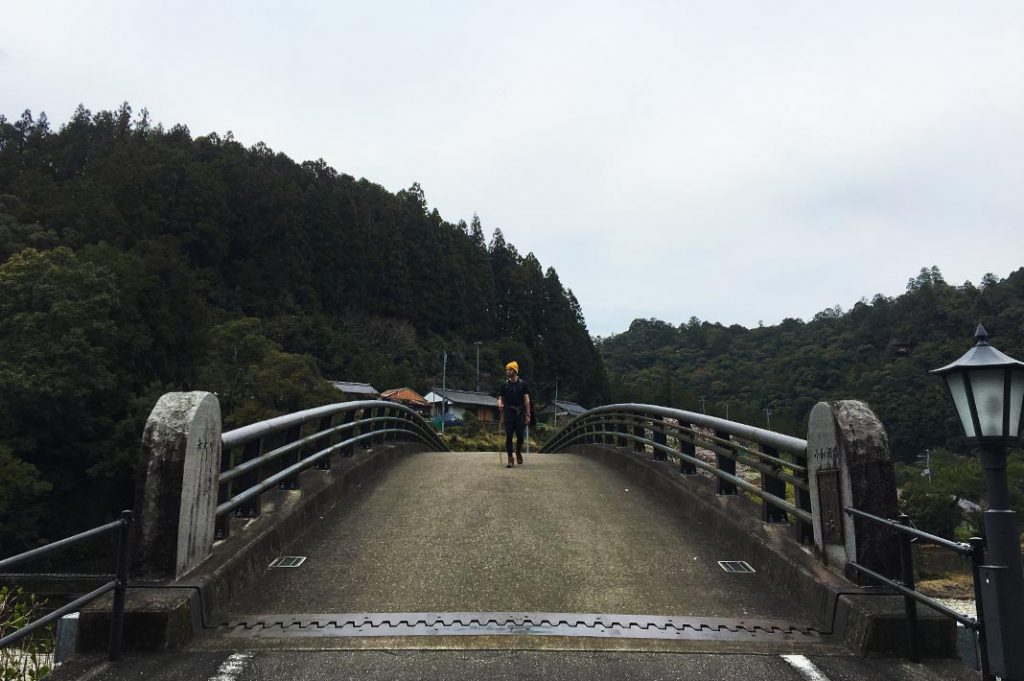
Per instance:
{"type": "Point", "coordinates": [482, 406]}
{"type": "Point", "coordinates": [408, 397]}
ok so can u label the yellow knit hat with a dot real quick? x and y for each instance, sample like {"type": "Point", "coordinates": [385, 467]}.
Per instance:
{"type": "Point", "coordinates": [513, 365]}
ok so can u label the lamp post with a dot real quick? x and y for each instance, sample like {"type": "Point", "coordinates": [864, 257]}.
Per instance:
{"type": "Point", "coordinates": [987, 389]}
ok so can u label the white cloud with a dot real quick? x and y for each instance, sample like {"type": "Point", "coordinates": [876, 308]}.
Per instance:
{"type": "Point", "coordinates": [735, 161]}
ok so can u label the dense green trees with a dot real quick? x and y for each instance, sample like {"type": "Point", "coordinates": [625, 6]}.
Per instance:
{"type": "Point", "coordinates": [137, 259]}
{"type": "Point", "coordinates": [880, 351]}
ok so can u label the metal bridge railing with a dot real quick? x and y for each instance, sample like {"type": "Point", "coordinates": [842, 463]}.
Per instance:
{"type": "Point", "coordinates": [975, 550]}
{"type": "Point", "coordinates": [643, 426]}
{"type": "Point", "coordinates": [271, 454]}
{"type": "Point", "coordinates": [118, 584]}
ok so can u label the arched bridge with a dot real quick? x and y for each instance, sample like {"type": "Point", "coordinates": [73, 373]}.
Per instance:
{"type": "Point", "coordinates": [637, 529]}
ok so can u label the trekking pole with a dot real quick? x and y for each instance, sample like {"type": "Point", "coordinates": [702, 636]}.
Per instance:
{"type": "Point", "coordinates": [497, 431]}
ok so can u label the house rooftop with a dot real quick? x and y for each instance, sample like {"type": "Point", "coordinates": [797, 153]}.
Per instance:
{"type": "Point", "coordinates": [466, 397]}
{"type": "Point", "coordinates": [351, 388]}
{"type": "Point", "coordinates": [405, 394]}
{"type": "Point", "coordinates": [569, 407]}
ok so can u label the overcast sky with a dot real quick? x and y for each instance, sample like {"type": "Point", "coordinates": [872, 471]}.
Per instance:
{"type": "Point", "coordinates": [734, 161]}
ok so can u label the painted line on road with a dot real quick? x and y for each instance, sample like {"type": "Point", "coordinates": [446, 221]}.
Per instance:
{"type": "Point", "coordinates": [231, 667]}
{"type": "Point", "coordinates": [805, 667]}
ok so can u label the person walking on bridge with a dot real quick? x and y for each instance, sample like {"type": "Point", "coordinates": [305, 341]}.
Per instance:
{"type": "Point", "coordinates": [514, 409]}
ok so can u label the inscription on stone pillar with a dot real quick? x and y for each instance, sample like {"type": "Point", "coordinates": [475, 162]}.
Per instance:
{"type": "Point", "coordinates": [830, 506]}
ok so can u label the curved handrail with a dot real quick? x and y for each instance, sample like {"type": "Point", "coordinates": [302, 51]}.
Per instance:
{"type": "Point", "coordinates": [647, 427]}
{"type": "Point", "coordinates": [240, 436]}
{"type": "Point", "coordinates": [363, 422]}
{"type": "Point", "coordinates": [786, 443]}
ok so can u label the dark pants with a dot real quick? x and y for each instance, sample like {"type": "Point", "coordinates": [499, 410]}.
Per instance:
{"type": "Point", "coordinates": [514, 423]}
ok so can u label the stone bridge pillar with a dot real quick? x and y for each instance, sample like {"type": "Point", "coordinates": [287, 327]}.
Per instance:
{"type": "Point", "coordinates": [176, 486]}
{"type": "Point", "coordinates": [849, 466]}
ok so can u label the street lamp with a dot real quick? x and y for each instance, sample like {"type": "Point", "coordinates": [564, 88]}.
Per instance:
{"type": "Point", "coordinates": [987, 388]}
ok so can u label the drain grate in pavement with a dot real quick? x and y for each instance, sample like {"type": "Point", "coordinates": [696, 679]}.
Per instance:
{"type": "Point", "coordinates": [736, 566]}
{"type": "Point", "coordinates": [288, 562]}
{"type": "Point", "coordinates": [513, 623]}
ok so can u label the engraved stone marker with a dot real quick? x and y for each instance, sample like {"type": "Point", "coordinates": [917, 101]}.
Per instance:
{"type": "Point", "coordinates": [176, 488]}
{"type": "Point", "coordinates": [848, 465]}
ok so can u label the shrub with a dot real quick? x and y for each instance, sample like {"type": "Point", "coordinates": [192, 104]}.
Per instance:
{"type": "Point", "coordinates": [33, 658]}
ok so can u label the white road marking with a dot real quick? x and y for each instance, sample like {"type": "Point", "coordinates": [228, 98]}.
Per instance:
{"type": "Point", "coordinates": [805, 667]}
{"type": "Point", "coordinates": [231, 667]}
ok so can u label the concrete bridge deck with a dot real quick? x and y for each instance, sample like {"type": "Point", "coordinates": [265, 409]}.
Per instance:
{"type": "Point", "coordinates": [458, 532]}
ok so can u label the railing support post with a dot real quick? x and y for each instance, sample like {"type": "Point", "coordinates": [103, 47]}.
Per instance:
{"type": "Point", "coordinates": [907, 578]}
{"type": "Point", "coordinates": [803, 531]}
{"type": "Point", "coordinates": [349, 417]}
{"type": "Point", "coordinates": [660, 438]}
{"type": "Point", "coordinates": [638, 431]}
{"type": "Point", "coordinates": [774, 486]}
{"type": "Point", "coordinates": [292, 481]}
{"type": "Point", "coordinates": [252, 507]}
{"type": "Point", "coordinates": [326, 423]}
{"type": "Point", "coordinates": [121, 576]}
{"type": "Point", "coordinates": [726, 465]}
{"type": "Point", "coordinates": [222, 526]}
{"type": "Point", "coordinates": [689, 448]}
{"type": "Point", "coordinates": [977, 560]}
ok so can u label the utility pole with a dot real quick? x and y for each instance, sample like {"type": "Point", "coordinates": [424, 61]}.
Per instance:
{"type": "Point", "coordinates": [444, 388]}
{"type": "Point", "coordinates": [555, 405]}
{"type": "Point", "coordinates": [768, 415]}
{"type": "Point", "coordinates": [726, 411]}
{"type": "Point", "coordinates": [702, 405]}
{"type": "Point", "coordinates": [477, 344]}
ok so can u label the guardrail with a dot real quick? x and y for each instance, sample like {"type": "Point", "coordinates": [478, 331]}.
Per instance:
{"type": "Point", "coordinates": [975, 550]}
{"type": "Point", "coordinates": [272, 453]}
{"type": "Point", "coordinates": [118, 584]}
{"type": "Point", "coordinates": [674, 435]}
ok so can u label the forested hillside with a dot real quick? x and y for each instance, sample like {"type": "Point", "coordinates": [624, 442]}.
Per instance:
{"type": "Point", "coordinates": [879, 351]}
{"type": "Point", "coordinates": [137, 259]}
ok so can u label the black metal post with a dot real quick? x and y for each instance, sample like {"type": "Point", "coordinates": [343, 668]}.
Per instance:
{"type": "Point", "coordinates": [291, 435]}
{"type": "Point", "coordinates": [977, 560]}
{"type": "Point", "coordinates": [326, 422]}
{"type": "Point", "coordinates": [349, 417]}
{"type": "Point", "coordinates": [121, 576]}
{"type": "Point", "coordinates": [774, 486]}
{"type": "Point", "coordinates": [639, 431]}
{"type": "Point", "coordinates": [1002, 582]}
{"type": "Point", "coordinates": [252, 507]}
{"type": "Point", "coordinates": [804, 530]}
{"type": "Point", "coordinates": [222, 528]}
{"type": "Point", "coordinates": [660, 438]}
{"type": "Point", "coordinates": [726, 465]}
{"type": "Point", "coordinates": [690, 449]}
{"type": "Point", "coordinates": [907, 579]}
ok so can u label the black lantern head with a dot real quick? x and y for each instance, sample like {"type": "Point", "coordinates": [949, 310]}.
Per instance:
{"type": "Point", "coordinates": [987, 388]}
